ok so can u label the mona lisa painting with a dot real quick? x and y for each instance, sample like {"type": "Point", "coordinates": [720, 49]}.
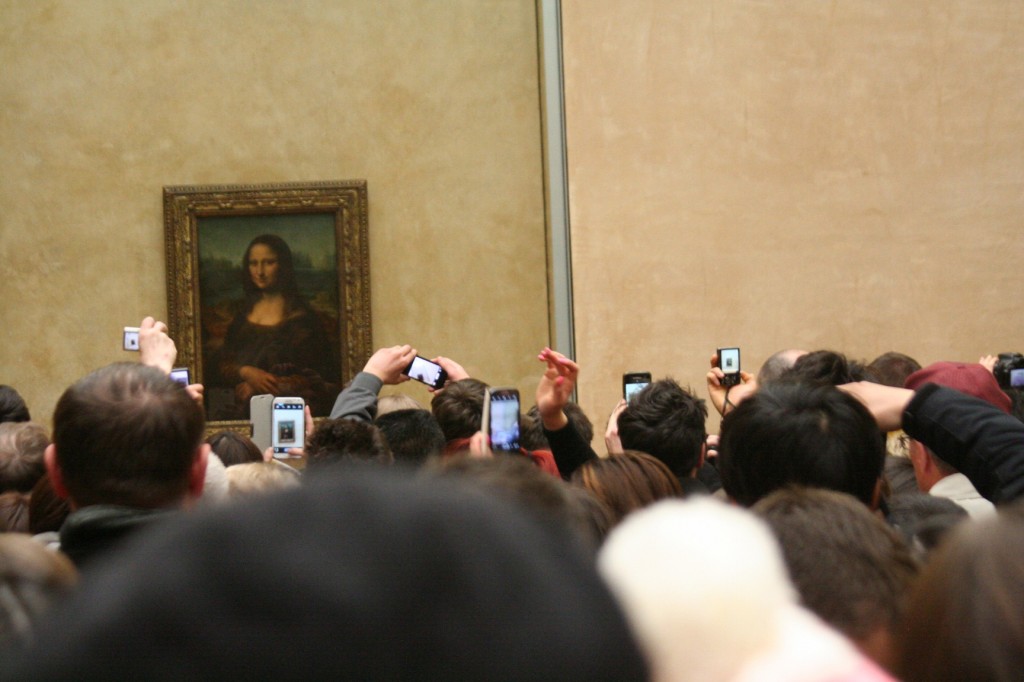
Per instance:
{"type": "Point", "coordinates": [268, 290]}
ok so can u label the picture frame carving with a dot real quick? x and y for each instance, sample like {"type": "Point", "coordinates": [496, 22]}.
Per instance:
{"type": "Point", "coordinates": [217, 304]}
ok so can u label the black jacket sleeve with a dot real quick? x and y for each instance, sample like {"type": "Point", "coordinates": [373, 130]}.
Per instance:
{"type": "Point", "coordinates": [980, 440]}
{"type": "Point", "coordinates": [569, 449]}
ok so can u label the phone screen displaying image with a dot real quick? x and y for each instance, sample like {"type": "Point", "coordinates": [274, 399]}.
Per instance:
{"type": "Point", "coordinates": [427, 372]}
{"type": "Point", "coordinates": [288, 425]}
{"type": "Point", "coordinates": [729, 360]}
{"type": "Point", "coordinates": [504, 420]}
{"type": "Point", "coordinates": [1017, 378]}
{"type": "Point", "coordinates": [633, 389]}
{"type": "Point", "coordinates": [633, 383]}
{"type": "Point", "coordinates": [181, 375]}
{"type": "Point", "coordinates": [131, 338]}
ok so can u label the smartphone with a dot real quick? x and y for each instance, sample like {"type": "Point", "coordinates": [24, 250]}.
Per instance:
{"type": "Point", "coordinates": [633, 383]}
{"type": "Point", "coordinates": [501, 418]}
{"type": "Point", "coordinates": [131, 338]}
{"type": "Point", "coordinates": [427, 372]}
{"type": "Point", "coordinates": [260, 416]}
{"type": "Point", "coordinates": [288, 426]}
{"type": "Point", "coordinates": [181, 375]}
{"type": "Point", "coordinates": [729, 362]}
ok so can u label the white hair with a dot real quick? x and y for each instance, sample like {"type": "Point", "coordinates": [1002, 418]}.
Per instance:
{"type": "Point", "coordinates": [706, 590]}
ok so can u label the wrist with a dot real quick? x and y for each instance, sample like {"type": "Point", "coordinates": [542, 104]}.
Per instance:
{"type": "Point", "coordinates": [554, 422]}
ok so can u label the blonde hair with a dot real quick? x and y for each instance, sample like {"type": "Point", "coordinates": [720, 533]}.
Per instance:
{"type": "Point", "coordinates": [256, 478]}
{"type": "Point", "coordinates": [396, 402]}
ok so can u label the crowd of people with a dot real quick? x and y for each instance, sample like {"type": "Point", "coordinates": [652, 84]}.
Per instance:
{"type": "Point", "coordinates": [850, 521]}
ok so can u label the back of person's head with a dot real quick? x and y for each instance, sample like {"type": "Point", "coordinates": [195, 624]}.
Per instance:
{"type": "Point", "coordinates": [395, 402]}
{"type": "Point", "coordinates": [923, 520]}
{"type": "Point", "coordinates": [14, 512]}
{"type": "Point", "coordinates": [850, 569]}
{"type": "Point", "coordinates": [793, 434]}
{"type": "Point", "coordinates": [32, 579]}
{"type": "Point", "coordinates": [705, 588]}
{"type": "Point", "coordinates": [964, 617]}
{"type": "Point", "coordinates": [459, 408]}
{"type": "Point", "coordinates": [385, 578]}
{"type": "Point", "coordinates": [517, 479]}
{"type": "Point", "coordinates": [892, 368]}
{"type": "Point", "coordinates": [666, 421]}
{"type": "Point", "coordinates": [46, 509]}
{"type": "Point", "coordinates": [596, 518]}
{"type": "Point", "coordinates": [234, 448]}
{"type": "Point", "coordinates": [129, 435]}
{"type": "Point", "coordinates": [826, 368]}
{"type": "Point", "coordinates": [777, 364]}
{"type": "Point", "coordinates": [22, 446]}
{"type": "Point", "coordinates": [531, 431]}
{"type": "Point", "coordinates": [346, 441]}
{"type": "Point", "coordinates": [413, 436]}
{"type": "Point", "coordinates": [12, 406]}
{"type": "Point", "coordinates": [251, 479]}
{"type": "Point", "coordinates": [627, 481]}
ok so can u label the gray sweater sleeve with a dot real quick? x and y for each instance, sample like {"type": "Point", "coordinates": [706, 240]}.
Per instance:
{"type": "Point", "coordinates": [359, 400]}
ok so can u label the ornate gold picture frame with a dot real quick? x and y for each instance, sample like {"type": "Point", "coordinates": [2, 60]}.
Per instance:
{"type": "Point", "coordinates": [268, 291]}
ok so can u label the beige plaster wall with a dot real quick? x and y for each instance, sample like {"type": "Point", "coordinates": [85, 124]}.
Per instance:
{"type": "Point", "coordinates": [842, 175]}
{"type": "Point", "coordinates": [436, 105]}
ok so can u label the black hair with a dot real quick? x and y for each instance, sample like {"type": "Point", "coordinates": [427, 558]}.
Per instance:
{"type": "Point", "coordinates": [826, 368]}
{"type": "Point", "coordinates": [789, 434]}
{"type": "Point", "coordinates": [412, 435]}
{"type": "Point", "coordinates": [12, 406]}
{"type": "Point", "coordinates": [666, 421]}
{"type": "Point", "coordinates": [346, 441]}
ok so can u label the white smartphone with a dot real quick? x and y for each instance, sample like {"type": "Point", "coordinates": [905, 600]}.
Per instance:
{"type": "Point", "coordinates": [288, 426]}
{"type": "Point", "coordinates": [501, 418]}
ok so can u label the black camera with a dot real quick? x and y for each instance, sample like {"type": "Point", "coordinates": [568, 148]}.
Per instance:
{"type": "Point", "coordinates": [1009, 370]}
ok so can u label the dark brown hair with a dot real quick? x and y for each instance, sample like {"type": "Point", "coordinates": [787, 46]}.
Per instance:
{"type": "Point", "coordinates": [234, 448]}
{"type": "Point", "coordinates": [459, 408]}
{"type": "Point", "coordinates": [127, 434]}
{"type": "Point", "coordinates": [22, 445]}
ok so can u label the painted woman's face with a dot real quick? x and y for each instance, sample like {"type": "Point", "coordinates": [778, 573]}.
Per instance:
{"type": "Point", "coordinates": [263, 267]}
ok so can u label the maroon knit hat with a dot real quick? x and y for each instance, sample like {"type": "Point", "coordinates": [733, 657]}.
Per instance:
{"type": "Point", "coordinates": [969, 378]}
